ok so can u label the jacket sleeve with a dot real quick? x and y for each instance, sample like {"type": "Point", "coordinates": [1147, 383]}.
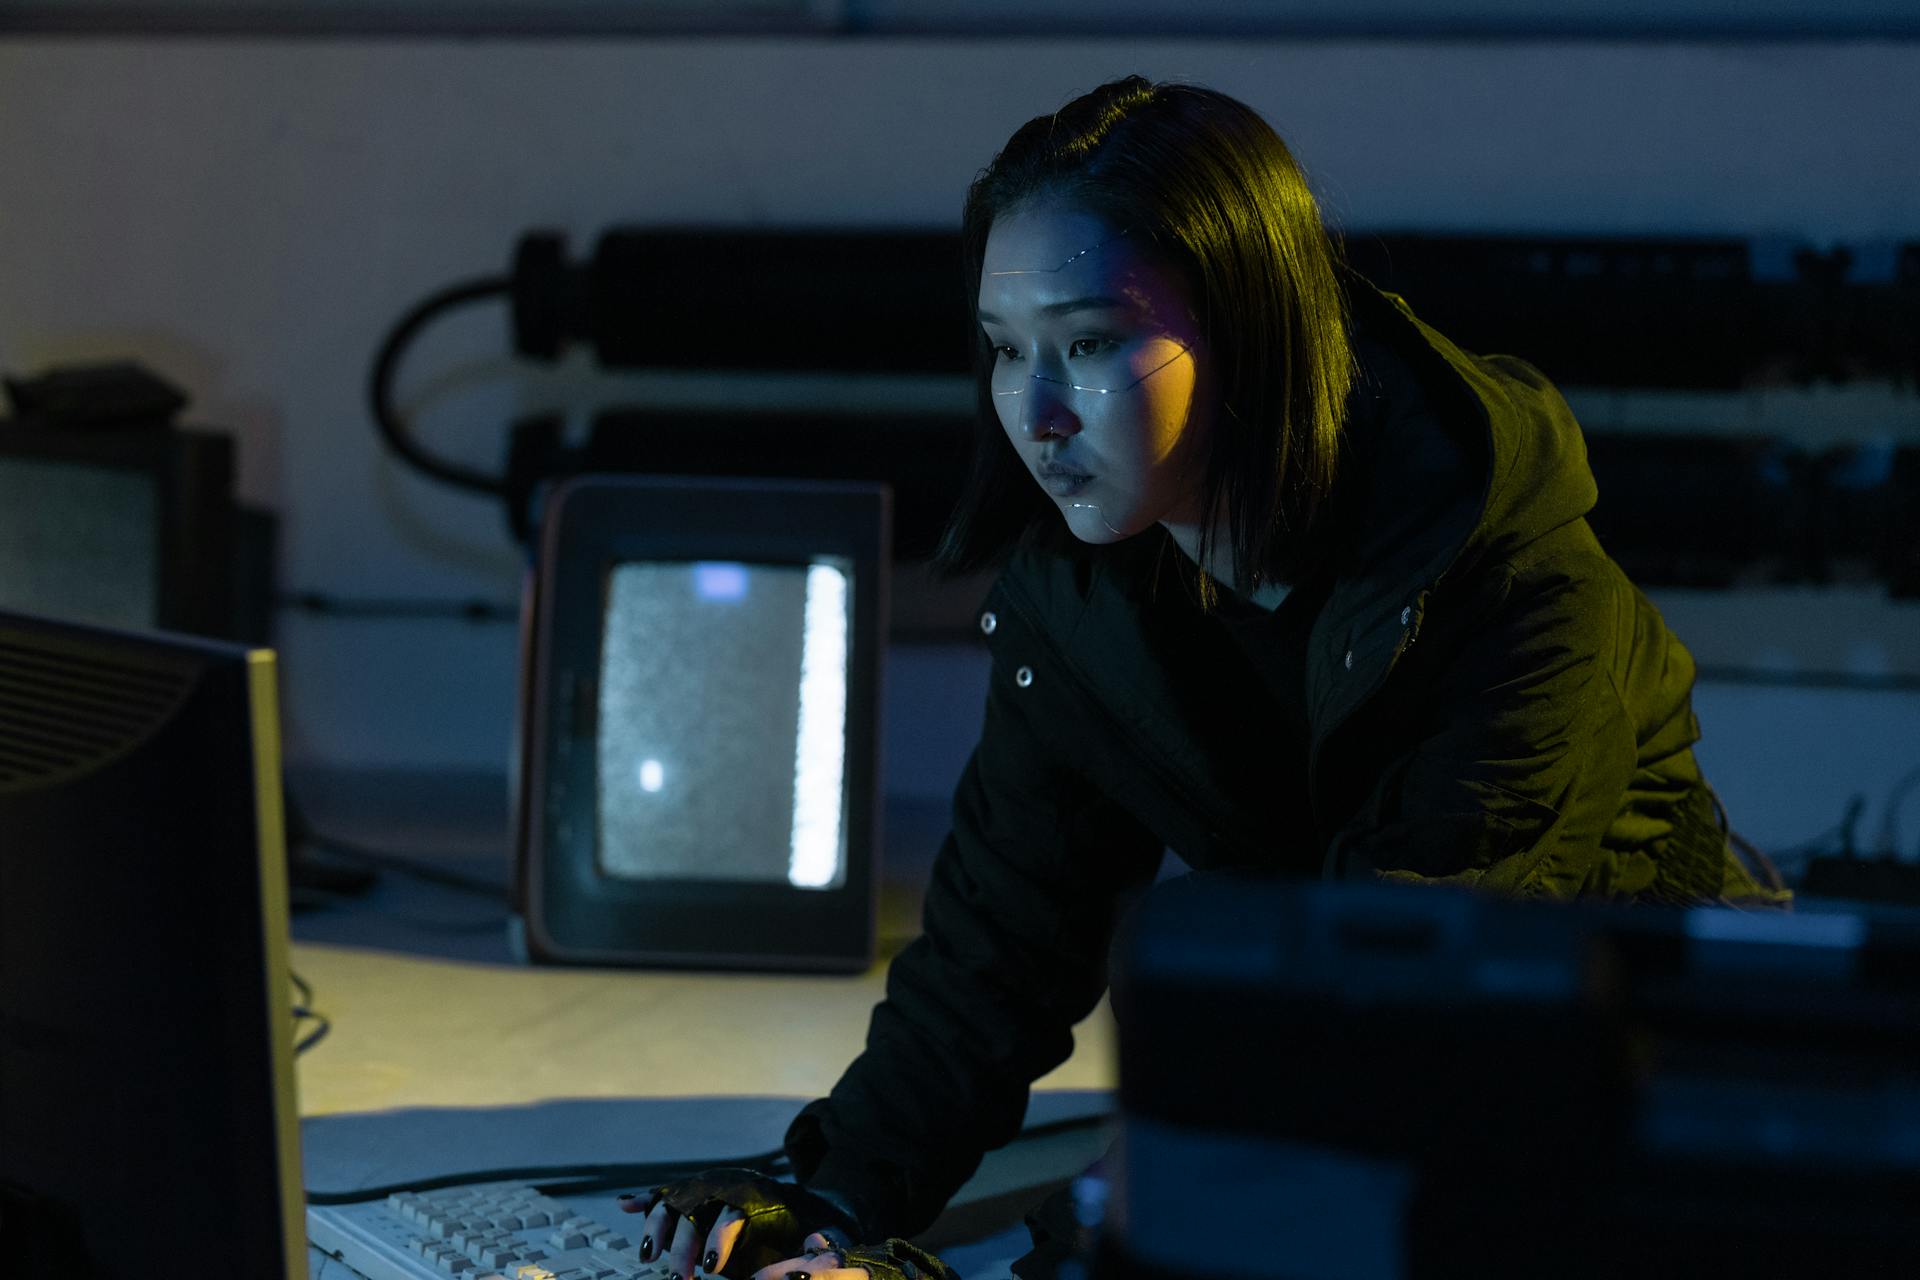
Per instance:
{"type": "Point", "coordinates": [1018, 920]}
{"type": "Point", "coordinates": [1527, 736]}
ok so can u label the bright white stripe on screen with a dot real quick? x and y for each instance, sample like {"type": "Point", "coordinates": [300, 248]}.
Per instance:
{"type": "Point", "coordinates": [820, 747]}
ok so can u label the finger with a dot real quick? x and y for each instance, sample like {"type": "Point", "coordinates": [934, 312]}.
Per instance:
{"type": "Point", "coordinates": [825, 1267]}
{"type": "Point", "coordinates": [682, 1250]}
{"type": "Point", "coordinates": [720, 1240]}
{"type": "Point", "coordinates": [655, 1232]}
{"type": "Point", "coordinates": [636, 1201]}
{"type": "Point", "coordinates": [827, 1238]}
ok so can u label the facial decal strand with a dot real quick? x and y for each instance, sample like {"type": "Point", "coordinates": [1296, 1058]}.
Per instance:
{"type": "Point", "coordinates": [1104, 391]}
{"type": "Point", "coordinates": [1095, 508]}
{"type": "Point", "coordinates": [1047, 271]}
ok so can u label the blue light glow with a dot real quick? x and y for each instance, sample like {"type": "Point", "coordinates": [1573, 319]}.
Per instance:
{"type": "Point", "coordinates": [716, 581]}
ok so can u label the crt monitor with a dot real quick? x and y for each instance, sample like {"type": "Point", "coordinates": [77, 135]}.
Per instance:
{"type": "Point", "coordinates": [147, 1110]}
{"type": "Point", "coordinates": [129, 527]}
{"type": "Point", "coordinates": [699, 775]}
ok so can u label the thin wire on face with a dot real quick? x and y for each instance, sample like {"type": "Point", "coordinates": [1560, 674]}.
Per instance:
{"type": "Point", "coordinates": [1062, 382]}
{"type": "Point", "coordinates": [1104, 391]}
{"type": "Point", "coordinates": [1047, 271]}
{"type": "Point", "coordinates": [1095, 508]}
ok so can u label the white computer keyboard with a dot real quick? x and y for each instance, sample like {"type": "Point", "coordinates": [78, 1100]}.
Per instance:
{"type": "Point", "coordinates": [505, 1230]}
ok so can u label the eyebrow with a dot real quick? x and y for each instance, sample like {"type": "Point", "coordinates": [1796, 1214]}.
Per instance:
{"type": "Point", "coordinates": [1061, 308]}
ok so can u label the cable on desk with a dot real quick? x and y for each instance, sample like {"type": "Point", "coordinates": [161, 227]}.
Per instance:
{"type": "Point", "coordinates": [304, 1009]}
{"type": "Point", "coordinates": [767, 1162]}
{"type": "Point", "coordinates": [301, 833]}
{"type": "Point", "coordinates": [405, 866]}
{"type": "Point", "coordinates": [577, 1179]}
{"type": "Point", "coordinates": [492, 924]}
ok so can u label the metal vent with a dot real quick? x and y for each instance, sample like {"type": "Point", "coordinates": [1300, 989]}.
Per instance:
{"type": "Point", "coordinates": [63, 713]}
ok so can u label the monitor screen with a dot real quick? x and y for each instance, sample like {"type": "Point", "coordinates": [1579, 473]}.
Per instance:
{"type": "Point", "coordinates": [77, 542]}
{"type": "Point", "coordinates": [131, 528]}
{"type": "Point", "coordinates": [755, 656]}
{"type": "Point", "coordinates": [701, 667]}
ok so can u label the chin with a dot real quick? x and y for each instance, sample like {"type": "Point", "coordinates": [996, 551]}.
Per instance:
{"type": "Point", "coordinates": [1092, 525]}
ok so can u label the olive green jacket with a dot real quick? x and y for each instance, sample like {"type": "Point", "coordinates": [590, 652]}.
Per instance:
{"type": "Point", "coordinates": [1490, 701]}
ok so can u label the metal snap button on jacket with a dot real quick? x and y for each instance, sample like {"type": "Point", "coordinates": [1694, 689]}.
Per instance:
{"type": "Point", "coordinates": [1023, 677]}
{"type": "Point", "coordinates": [988, 622]}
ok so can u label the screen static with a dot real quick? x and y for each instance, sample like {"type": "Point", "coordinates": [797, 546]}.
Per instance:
{"type": "Point", "coordinates": [77, 542]}
{"type": "Point", "coordinates": [722, 722]}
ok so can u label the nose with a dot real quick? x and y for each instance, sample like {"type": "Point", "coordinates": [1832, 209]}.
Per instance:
{"type": "Point", "coordinates": [1044, 411]}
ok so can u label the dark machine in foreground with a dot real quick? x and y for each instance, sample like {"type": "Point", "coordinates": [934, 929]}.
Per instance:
{"type": "Point", "coordinates": [1378, 1081]}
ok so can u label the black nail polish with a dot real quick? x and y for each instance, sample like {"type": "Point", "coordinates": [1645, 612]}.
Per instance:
{"type": "Point", "coordinates": [799, 1275]}
{"type": "Point", "coordinates": [673, 1275]}
{"type": "Point", "coordinates": [625, 1195]}
{"type": "Point", "coordinates": [711, 1262]}
{"type": "Point", "coordinates": [646, 1248]}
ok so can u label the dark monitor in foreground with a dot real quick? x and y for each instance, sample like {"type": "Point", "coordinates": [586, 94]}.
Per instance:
{"type": "Point", "coordinates": [147, 1108]}
{"type": "Point", "coordinates": [699, 783]}
{"type": "Point", "coordinates": [1405, 1081]}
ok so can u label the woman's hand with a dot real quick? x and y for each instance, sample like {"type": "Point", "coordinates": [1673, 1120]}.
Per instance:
{"type": "Point", "coordinates": [729, 1221]}
{"type": "Point", "coordinates": [821, 1261]}
{"type": "Point", "coordinates": [676, 1241]}
{"type": "Point", "coordinates": [828, 1257]}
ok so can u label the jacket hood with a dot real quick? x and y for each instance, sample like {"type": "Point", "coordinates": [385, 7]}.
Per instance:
{"type": "Point", "coordinates": [1485, 458]}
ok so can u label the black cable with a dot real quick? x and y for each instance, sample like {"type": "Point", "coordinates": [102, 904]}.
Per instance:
{"type": "Point", "coordinates": [380, 385]}
{"type": "Point", "coordinates": [767, 1162]}
{"type": "Point", "coordinates": [1890, 821]}
{"type": "Point", "coordinates": [405, 866]}
{"type": "Point", "coordinates": [1898, 682]}
{"type": "Point", "coordinates": [466, 928]}
{"type": "Point", "coordinates": [608, 1176]}
{"type": "Point", "coordinates": [473, 610]}
{"type": "Point", "coordinates": [303, 1010]}
{"type": "Point", "coordinates": [315, 1036]}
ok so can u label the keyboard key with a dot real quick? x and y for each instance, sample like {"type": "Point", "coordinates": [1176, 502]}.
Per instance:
{"type": "Point", "coordinates": [536, 1218]}
{"type": "Point", "coordinates": [453, 1264]}
{"type": "Point", "coordinates": [507, 1222]}
{"type": "Point", "coordinates": [565, 1238]}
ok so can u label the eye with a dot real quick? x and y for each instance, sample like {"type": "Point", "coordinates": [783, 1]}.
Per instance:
{"type": "Point", "coordinates": [1002, 351]}
{"type": "Point", "coordinates": [1093, 346]}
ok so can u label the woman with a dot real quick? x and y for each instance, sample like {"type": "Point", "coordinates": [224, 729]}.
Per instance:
{"type": "Point", "coordinates": [1289, 582]}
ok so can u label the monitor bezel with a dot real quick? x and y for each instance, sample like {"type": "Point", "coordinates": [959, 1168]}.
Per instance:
{"type": "Point", "coordinates": [200, 782]}
{"type": "Point", "coordinates": [575, 913]}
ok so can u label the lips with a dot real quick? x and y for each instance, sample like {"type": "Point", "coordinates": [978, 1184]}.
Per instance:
{"type": "Point", "coordinates": [1053, 471]}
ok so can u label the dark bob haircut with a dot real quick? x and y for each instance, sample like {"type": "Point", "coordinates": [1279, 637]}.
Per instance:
{"type": "Point", "coordinates": [1224, 204]}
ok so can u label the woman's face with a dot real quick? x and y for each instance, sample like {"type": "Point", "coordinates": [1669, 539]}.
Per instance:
{"type": "Point", "coordinates": [1098, 369]}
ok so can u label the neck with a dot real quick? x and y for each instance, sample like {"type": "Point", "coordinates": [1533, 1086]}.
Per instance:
{"type": "Point", "coordinates": [1220, 566]}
